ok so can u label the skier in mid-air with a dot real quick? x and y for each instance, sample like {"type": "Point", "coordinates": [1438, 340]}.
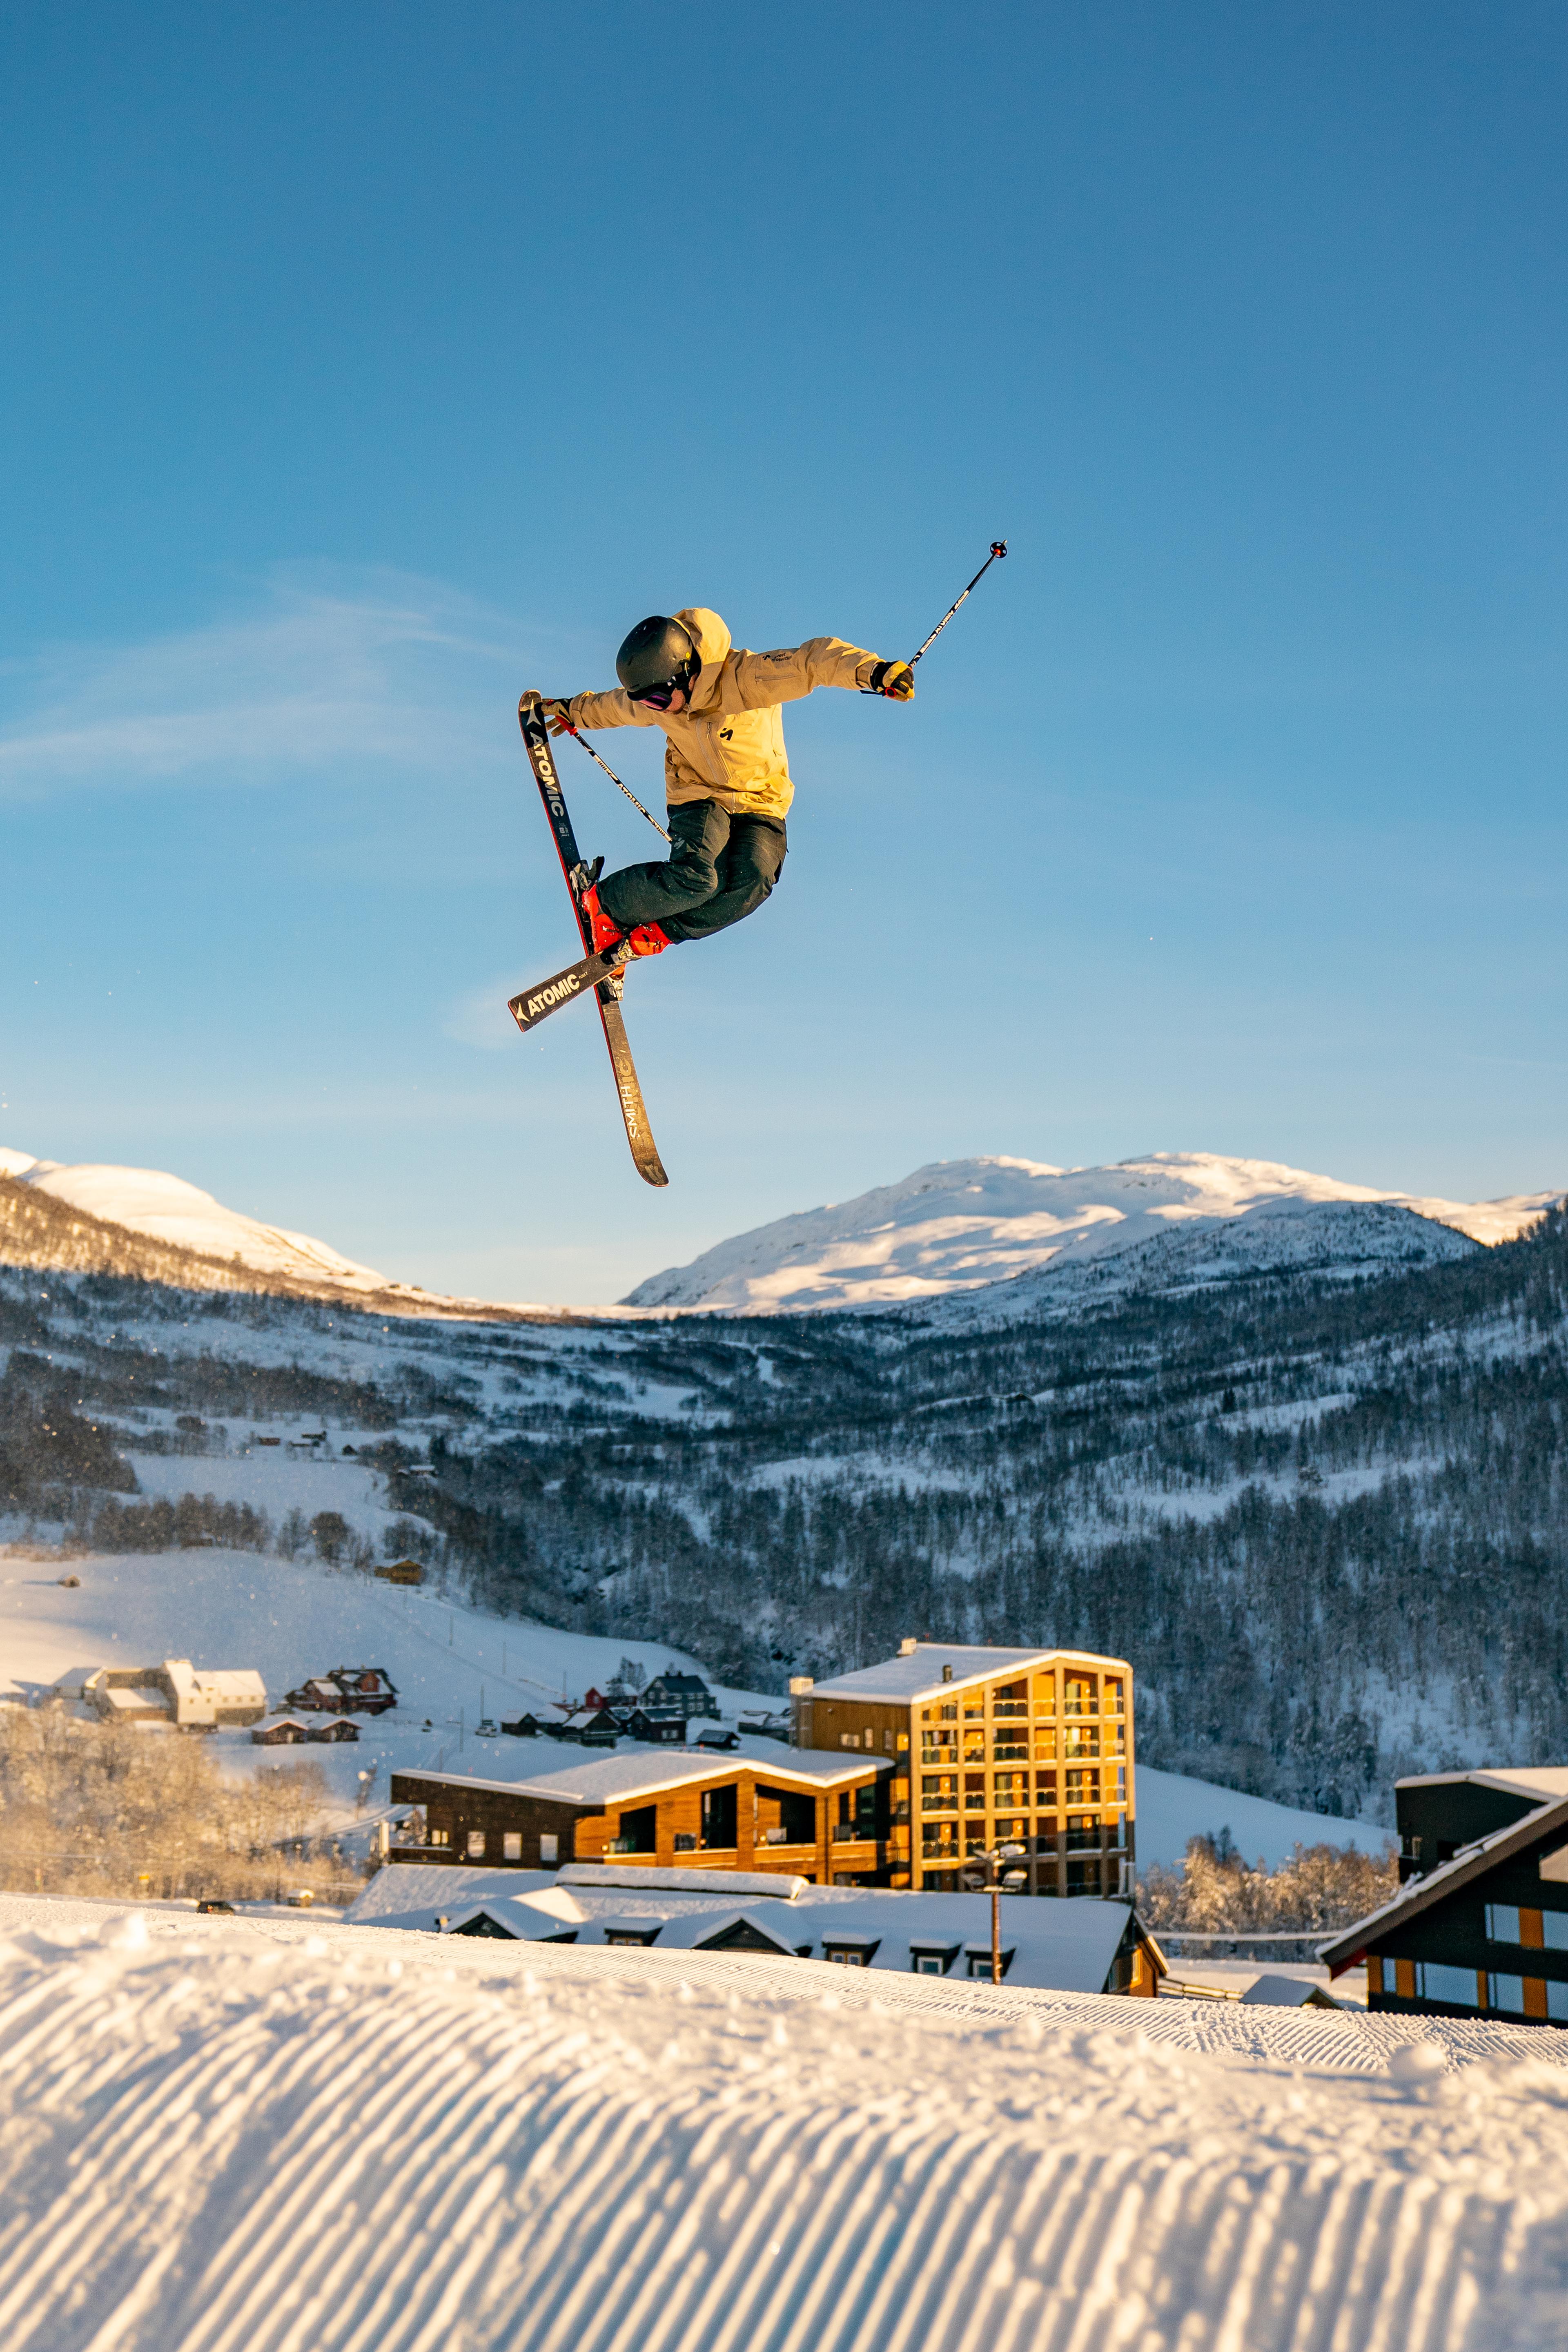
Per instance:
{"type": "Point", "coordinates": [726, 775]}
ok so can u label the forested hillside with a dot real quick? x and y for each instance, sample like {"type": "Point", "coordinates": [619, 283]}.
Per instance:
{"type": "Point", "coordinates": [1324, 1517]}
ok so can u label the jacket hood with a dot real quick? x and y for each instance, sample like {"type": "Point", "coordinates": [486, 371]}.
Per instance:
{"type": "Point", "coordinates": [713, 641]}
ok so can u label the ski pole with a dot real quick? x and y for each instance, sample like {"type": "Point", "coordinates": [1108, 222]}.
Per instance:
{"type": "Point", "coordinates": [615, 779]}
{"type": "Point", "coordinates": [999, 547]}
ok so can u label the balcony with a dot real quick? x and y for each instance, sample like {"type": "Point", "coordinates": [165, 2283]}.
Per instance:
{"type": "Point", "coordinates": [852, 1833]}
{"type": "Point", "coordinates": [1015, 1707]}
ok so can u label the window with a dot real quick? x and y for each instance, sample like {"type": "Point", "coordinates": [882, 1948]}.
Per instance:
{"type": "Point", "coordinates": [930, 1958]}
{"type": "Point", "coordinates": [718, 1818]}
{"type": "Point", "coordinates": [796, 1816]}
{"type": "Point", "coordinates": [939, 1793]}
{"type": "Point", "coordinates": [1435, 1980]}
{"type": "Point", "coordinates": [686, 1841]}
{"type": "Point", "coordinates": [939, 1747]}
{"type": "Point", "coordinates": [980, 1960]}
{"type": "Point", "coordinates": [1080, 1696]}
{"type": "Point", "coordinates": [1554, 1930]}
{"type": "Point", "coordinates": [1010, 1699]}
{"type": "Point", "coordinates": [1115, 1703]}
{"type": "Point", "coordinates": [1084, 1785]}
{"type": "Point", "coordinates": [476, 1845]}
{"type": "Point", "coordinates": [974, 1792]}
{"type": "Point", "coordinates": [857, 1955]}
{"type": "Point", "coordinates": [549, 1847]}
{"type": "Point", "coordinates": [1506, 1992]}
{"type": "Point", "coordinates": [1556, 1999]}
{"type": "Point", "coordinates": [902, 1741]}
{"type": "Point", "coordinates": [974, 1747]}
{"type": "Point", "coordinates": [949, 1714]}
{"type": "Point", "coordinates": [939, 1840]}
{"type": "Point", "coordinates": [1012, 1789]}
{"type": "Point", "coordinates": [1011, 1739]}
{"type": "Point", "coordinates": [974, 1707]}
{"type": "Point", "coordinates": [638, 1831]}
{"type": "Point", "coordinates": [511, 1845]}
{"type": "Point", "coordinates": [440, 1837]}
{"type": "Point", "coordinates": [1083, 1740]}
{"type": "Point", "coordinates": [1502, 1924]}
{"type": "Point", "coordinates": [1045, 1743]}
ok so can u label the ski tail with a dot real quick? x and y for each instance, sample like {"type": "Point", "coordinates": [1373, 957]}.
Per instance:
{"type": "Point", "coordinates": [634, 1111]}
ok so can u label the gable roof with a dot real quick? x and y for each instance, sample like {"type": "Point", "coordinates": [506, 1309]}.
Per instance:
{"type": "Point", "coordinates": [919, 1673]}
{"type": "Point", "coordinates": [1542, 1781]}
{"type": "Point", "coordinates": [1471, 1862]}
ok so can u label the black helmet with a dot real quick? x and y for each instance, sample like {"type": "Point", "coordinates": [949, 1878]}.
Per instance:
{"type": "Point", "coordinates": [658, 656]}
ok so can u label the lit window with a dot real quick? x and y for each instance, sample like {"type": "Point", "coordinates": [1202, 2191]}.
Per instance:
{"type": "Point", "coordinates": [549, 1847]}
{"type": "Point", "coordinates": [1080, 1696]}
{"type": "Point", "coordinates": [476, 1845]}
{"type": "Point", "coordinates": [512, 1846]}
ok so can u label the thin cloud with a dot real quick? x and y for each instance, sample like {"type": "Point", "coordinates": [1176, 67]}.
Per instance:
{"type": "Point", "coordinates": [330, 673]}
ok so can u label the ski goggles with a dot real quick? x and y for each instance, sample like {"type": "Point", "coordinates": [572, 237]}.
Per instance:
{"type": "Point", "coordinates": [660, 696]}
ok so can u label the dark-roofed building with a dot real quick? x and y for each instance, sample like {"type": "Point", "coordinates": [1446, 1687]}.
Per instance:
{"type": "Point", "coordinates": [1438, 1812]}
{"type": "Point", "coordinates": [1486, 1929]}
{"type": "Point", "coordinates": [991, 1747]}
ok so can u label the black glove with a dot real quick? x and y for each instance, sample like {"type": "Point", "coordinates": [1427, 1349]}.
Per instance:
{"type": "Point", "coordinates": [894, 679]}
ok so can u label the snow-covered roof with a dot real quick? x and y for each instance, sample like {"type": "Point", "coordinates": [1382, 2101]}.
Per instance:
{"type": "Point", "coordinates": [1343, 1951]}
{"type": "Point", "coordinates": [918, 1672]}
{"type": "Point", "coordinates": [1062, 1946]}
{"type": "Point", "coordinates": [599, 1779]}
{"type": "Point", "coordinates": [1543, 1781]}
{"type": "Point", "coordinates": [777, 1885]}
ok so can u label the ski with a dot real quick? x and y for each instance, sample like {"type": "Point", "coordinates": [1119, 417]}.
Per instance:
{"type": "Point", "coordinates": [532, 1006]}
{"type": "Point", "coordinates": [607, 992]}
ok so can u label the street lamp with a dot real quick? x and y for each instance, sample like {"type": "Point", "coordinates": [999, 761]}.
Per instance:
{"type": "Point", "coordinates": [992, 1886]}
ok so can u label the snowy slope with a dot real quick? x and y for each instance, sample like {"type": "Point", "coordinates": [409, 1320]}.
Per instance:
{"type": "Point", "coordinates": [222, 2134]}
{"type": "Point", "coordinates": [959, 1224]}
{"type": "Point", "coordinates": [149, 1201]}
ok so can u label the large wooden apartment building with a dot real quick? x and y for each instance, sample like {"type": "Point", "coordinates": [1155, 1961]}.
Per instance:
{"type": "Point", "coordinates": [989, 1746]}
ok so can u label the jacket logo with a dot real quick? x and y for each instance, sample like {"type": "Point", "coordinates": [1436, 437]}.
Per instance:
{"type": "Point", "coordinates": [727, 734]}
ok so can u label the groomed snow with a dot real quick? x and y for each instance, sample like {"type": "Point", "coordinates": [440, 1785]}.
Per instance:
{"type": "Point", "coordinates": [236, 2135]}
{"type": "Point", "coordinates": [961, 1223]}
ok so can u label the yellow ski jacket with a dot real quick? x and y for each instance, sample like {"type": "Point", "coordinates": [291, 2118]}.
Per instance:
{"type": "Point", "coordinates": [728, 745]}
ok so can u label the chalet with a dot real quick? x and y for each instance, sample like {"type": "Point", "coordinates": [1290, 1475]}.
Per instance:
{"type": "Point", "coordinates": [328, 1735]}
{"type": "Point", "coordinates": [991, 1747]}
{"type": "Point", "coordinates": [281, 1731]}
{"type": "Point", "coordinates": [820, 1818]}
{"type": "Point", "coordinates": [663, 1730]}
{"type": "Point", "coordinates": [524, 1727]}
{"type": "Point", "coordinates": [1091, 1947]}
{"type": "Point", "coordinates": [193, 1698]}
{"type": "Point", "coordinates": [676, 1694]}
{"type": "Point", "coordinates": [1484, 1928]}
{"type": "Point", "coordinates": [346, 1690]}
{"type": "Point", "coordinates": [600, 1729]}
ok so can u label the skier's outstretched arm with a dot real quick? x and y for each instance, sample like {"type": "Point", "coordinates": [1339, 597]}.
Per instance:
{"type": "Point", "coordinates": [616, 708]}
{"type": "Point", "coordinates": [755, 681]}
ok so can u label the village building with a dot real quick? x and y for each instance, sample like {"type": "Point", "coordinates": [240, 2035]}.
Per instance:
{"type": "Point", "coordinates": [191, 1698]}
{"type": "Point", "coordinates": [1480, 1924]}
{"type": "Point", "coordinates": [989, 1748]}
{"type": "Point", "coordinates": [345, 1690]}
{"type": "Point", "coordinates": [820, 1817]}
{"type": "Point", "coordinates": [1090, 1947]}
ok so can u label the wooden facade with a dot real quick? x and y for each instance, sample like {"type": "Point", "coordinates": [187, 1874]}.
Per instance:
{"type": "Point", "coordinates": [987, 1747]}
{"type": "Point", "coordinates": [736, 1815]}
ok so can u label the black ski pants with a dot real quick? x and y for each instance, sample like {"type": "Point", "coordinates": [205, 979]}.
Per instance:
{"type": "Point", "coordinates": [719, 868]}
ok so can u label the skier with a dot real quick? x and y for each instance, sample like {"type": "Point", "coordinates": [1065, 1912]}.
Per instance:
{"type": "Point", "coordinates": [726, 775]}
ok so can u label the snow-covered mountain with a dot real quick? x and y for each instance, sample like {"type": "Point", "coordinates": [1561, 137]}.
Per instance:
{"type": "Point", "coordinates": [961, 1223]}
{"type": "Point", "coordinates": [146, 1200]}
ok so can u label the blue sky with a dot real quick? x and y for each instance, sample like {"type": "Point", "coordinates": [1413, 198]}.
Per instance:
{"type": "Point", "coordinates": [359, 366]}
